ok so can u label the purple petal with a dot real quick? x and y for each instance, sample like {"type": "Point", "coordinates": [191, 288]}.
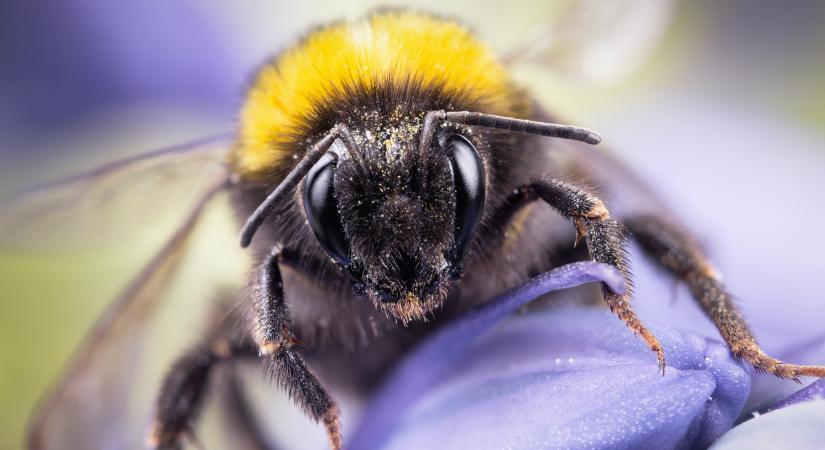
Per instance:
{"type": "Point", "coordinates": [814, 391]}
{"type": "Point", "coordinates": [769, 393]}
{"type": "Point", "coordinates": [567, 378]}
{"type": "Point", "coordinates": [800, 426]}
{"type": "Point", "coordinates": [420, 371]}
{"type": "Point", "coordinates": [813, 350]}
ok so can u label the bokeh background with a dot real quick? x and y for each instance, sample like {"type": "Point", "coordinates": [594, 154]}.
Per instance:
{"type": "Point", "coordinates": [723, 111]}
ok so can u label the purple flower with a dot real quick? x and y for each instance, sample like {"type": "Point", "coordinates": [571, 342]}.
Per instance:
{"type": "Point", "coordinates": [562, 378]}
{"type": "Point", "coordinates": [572, 378]}
{"type": "Point", "coordinates": [814, 391]}
{"type": "Point", "coordinates": [799, 426]}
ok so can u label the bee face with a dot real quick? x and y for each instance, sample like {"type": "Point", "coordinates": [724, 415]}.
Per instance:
{"type": "Point", "coordinates": [396, 215]}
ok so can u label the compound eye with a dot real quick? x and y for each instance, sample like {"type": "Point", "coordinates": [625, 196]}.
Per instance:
{"type": "Point", "coordinates": [322, 208]}
{"type": "Point", "coordinates": [469, 178]}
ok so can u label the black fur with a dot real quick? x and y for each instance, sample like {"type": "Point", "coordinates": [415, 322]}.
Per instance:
{"type": "Point", "coordinates": [396, 219]}
{"type": "Point", "coordinates": [271, 317]}
{"type": "Point", "coordinates": [184, 389]}
{"type": "Point", "coordinates": [429, 222]}
{"type": "Point", "coordinates": [293, 375]}
{"type": "Point", "coordinates": [275, 341]}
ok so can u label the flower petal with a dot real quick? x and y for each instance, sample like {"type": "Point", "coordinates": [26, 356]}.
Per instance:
{"type": "Point", "coordinates": [567, 378]}
{"type": "Point", "coordinates": [769, 393]}
{"type": "Point", "coordinates": [799, 426]}
{"type": "Point", "coordinates": [421, 370]}
{"type": "Point", "coordinates": [814, 391]}
{"type": "Point", "coordinates": [813, 350]}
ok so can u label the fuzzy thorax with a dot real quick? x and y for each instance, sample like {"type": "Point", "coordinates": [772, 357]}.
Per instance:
{"type": "Point", "coordinates": [395, 57]}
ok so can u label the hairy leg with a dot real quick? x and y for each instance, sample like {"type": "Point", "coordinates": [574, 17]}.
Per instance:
{"type": "Point", "coordinates": [184, 390]}
{"type": "Point", "coordinates": [275, 346]}
{"type": "Point", "coordinates": [676, 251]}
{"type": "Point", "coordinates": [605, 239]}
{"type": "Point", "coordinates": [185, 386]}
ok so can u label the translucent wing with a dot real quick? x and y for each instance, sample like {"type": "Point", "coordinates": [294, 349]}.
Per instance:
{"type": "Point", "coordinates": [104, 397]}
{"type": "Point", "coordinates": [592, 40]}
{"type": "Point", "coordinates": [122, 199]}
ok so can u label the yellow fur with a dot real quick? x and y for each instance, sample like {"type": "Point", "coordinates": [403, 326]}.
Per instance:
{"type": "Point", "coordinates": [392, 46]}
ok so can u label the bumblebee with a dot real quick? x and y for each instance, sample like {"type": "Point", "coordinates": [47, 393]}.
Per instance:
{"type": "Point", "coordinates": [389, 176]}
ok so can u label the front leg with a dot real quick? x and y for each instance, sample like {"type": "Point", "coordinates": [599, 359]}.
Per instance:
{"type": "Point", "coordinates": [676, 251]}
{"type": "Point", "coordinates": [604, 236]}
{"type": "Point", "coordinates": [275, 346]}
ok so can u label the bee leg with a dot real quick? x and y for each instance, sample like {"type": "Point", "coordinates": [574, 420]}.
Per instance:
{"type": "Point", "coordinates": [679, 254]}
{"type": "Point", "coordinates": [605, 239]}
{"type": "Point", "coordinates": [184, 389]}
{"type": "Point", "coordinates": [275, 346]}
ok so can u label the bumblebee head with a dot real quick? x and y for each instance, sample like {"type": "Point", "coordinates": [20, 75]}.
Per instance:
{"type": "Point", "coordinates": [397, 203]}
{"type": "Point", "coordinates": [397, 213]}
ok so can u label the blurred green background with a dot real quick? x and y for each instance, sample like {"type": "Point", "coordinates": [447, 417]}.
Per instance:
{"type": "Point", "coordinates": [87, 81]}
